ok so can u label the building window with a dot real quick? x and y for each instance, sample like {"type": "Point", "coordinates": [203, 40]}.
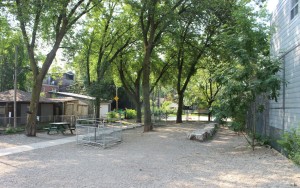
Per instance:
{"type": "Point", "coordinates": [294, 10]}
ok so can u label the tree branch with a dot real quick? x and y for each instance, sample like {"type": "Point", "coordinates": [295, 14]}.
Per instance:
{"type": "Point", "coordinates": [36, 22]}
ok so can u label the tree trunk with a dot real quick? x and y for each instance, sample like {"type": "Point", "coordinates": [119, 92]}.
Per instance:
{"type": "Point", "coordinates": [209, 112]}
{"type": "Point", "coordinates": [63, 24]}
{"type": "Point", "coordinates": [139, 112]}
{"type": "Point", "coordinates": [32, 114]}
{"type": "Point", "coordinates": [97, 107]}
{"type": "Point", "coordinates": [146, 90]}
{"type": "Point", "coordinates": [209, 116]}
{"type": "Point", "coordinates": [180, 107]}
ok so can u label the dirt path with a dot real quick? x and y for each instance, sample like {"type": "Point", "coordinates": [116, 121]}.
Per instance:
{"type": "Point", "coordinates": [163, 158]}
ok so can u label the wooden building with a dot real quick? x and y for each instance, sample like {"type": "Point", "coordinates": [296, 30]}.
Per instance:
{"type": "Point", "coordinates": [47, 108]}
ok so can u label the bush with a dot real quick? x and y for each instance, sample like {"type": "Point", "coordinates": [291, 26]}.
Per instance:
{"type": "Point", "coordinates": [290, 143]}
{"type": "Point", "coordinates": [237, 126]}
{"type": "Point", "coordinates": [112, 115]}
{"type": "Point", "coordinates": [12, 130]}
{"type": "Point", "coordinates": [165, 108]}
{"type": "Point", "coordinates": [130, 114]}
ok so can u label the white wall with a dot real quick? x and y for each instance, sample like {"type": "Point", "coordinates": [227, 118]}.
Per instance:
{"type": "Point", "coordinates": [286, 31]}
{"type": "Point", "coordinates": [285, 114]}
{"type": "Point", "coordinates": [104, 109]}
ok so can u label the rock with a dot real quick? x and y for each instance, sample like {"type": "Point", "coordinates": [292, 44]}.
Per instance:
{"type": "Point", "coordinates": [202, 134]}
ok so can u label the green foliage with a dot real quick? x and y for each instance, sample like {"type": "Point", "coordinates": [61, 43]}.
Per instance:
{"type": "Point", "coordinates": [237, 126]}
{"type": "Point", "coordinates": [9, 40]}
{"type": "Point", "coordinates": [130, 114]}
{"type": "Point", "coordinates": [12, 130]}
{"type": "Point", "coordinates": [290, 143]}
{"type": "Point", "coordinates": [262, 140]}
{"type": "Point", "coordinates": [112, 115]}
{"type": "Point", "coordinates": [103, 89]}
{"type": "Point", "coordinates": [249, 70]}
{"type": "Point", "coordinates": [165, 108]}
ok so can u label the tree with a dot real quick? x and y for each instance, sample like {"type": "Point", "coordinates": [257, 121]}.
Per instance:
{"type": "Point", "coordinates": [154, 18]}
{"type": "Point", "coordinates": [9, 41]}
{"type": "Point", "coordinates": [103, 39]}
{"type": "Point", "coordinates": [50, 20]}
{"type": "Point", "coordinates": [205, 86]}
{"type": "Point", "coordinates": [131, 82]}
{"type": "Point", "coordinates": [129, 62]}
{"type": "Point", "coordinates": [251, 72]}
{"type": "Point", "coordinates": [195, 33]}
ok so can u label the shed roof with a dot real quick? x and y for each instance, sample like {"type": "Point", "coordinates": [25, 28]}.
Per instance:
{"type": "Point", "coordinates": [67, 94]}
{"type": "Point", "coordinates": [63, 99]}
{"type": "Point", "coordinates": [21, 96]}
{"type": "Point", "coordinates": [68, 99]}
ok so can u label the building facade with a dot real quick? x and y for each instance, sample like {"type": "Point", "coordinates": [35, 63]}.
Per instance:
{"type": "Point", "coordinates": [57, 82]}
{"type": "Point", "coordinates": [284, 114]}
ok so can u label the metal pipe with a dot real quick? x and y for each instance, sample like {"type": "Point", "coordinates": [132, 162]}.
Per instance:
{"type": "Point", "coordinates": [117, 98]}
{"type": "Point", "coordinates": [15, 88]}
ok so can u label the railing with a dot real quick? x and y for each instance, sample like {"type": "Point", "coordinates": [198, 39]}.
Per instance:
{"type": "Point", "coordinates": [97, 132]}
{"type": "Point", "coordinates": [21, 121]}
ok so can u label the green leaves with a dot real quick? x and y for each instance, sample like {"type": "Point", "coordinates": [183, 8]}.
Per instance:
{"type": "Point", "coordinates": [9, 40]}
{"type": "Point", "coordinates": [291, 144]}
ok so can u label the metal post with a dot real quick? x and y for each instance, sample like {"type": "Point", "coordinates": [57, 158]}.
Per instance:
{"type": "Point", "coordinates": [15, 88]}
{"type": "Point", "coordinates": [117, 99]}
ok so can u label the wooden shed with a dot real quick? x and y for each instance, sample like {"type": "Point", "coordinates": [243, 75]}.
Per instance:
{"type": "Point", "coordinates": [72, 106]}
{"type": "Point", "coordinates": [47, 108]}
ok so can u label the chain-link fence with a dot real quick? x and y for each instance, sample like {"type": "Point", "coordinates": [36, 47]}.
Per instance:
{"type": "Point", "coordinates": [257, 116]}
{"type": "Point", "coordinates": [41, 120]}
{"type": "Point", "coordinates": [188, 115]}
{"type": "Point", "coordinates": [257, 121]}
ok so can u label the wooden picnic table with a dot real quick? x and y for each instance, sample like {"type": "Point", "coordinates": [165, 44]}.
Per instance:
{"type": "Point", "coordinates": [60, 126]}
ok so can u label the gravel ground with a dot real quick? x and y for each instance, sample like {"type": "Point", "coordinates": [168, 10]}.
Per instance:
{"type": "Point", "coordinates": [12, 140]}
{"type": "Point", "coordinates": [162, 158]}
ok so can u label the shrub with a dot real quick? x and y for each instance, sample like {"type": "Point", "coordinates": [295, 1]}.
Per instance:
{"type": "Point", "coordinates": [237, 126]}
{"type": "Point", "coordinates": [12, 130]}
{"type": "Point", "coordinates": [165, 108]}
{"type": "Point", "coordinates": [112, 114]}
{"type": "Point", "coordinates": [290, 143]}
{"type": "Point", "coordinates": [130, 114]}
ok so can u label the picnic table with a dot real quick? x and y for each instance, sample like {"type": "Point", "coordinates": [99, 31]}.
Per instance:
{"type": "Point", "coordinates": [60, 126]}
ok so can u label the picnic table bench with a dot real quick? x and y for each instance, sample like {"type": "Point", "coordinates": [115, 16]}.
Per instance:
{"type": "Point", "coordinates": [59, 127]}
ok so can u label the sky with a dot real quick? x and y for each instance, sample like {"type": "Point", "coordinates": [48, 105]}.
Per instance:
{"type": "Point", "coordinates": [272, 5]}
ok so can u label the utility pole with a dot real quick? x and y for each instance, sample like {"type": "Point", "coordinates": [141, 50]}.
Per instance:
{"type": "Point", "coordinates": [15, 88]}
{"type": "Point", "coordinates": [1, 81]}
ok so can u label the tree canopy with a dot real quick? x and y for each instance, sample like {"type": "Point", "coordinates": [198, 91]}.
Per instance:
{"type": "Point", "coordinates": [214, 54]}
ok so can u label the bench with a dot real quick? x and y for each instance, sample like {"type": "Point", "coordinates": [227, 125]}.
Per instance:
{"type": "Point", "coordinates": [59, 126]}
